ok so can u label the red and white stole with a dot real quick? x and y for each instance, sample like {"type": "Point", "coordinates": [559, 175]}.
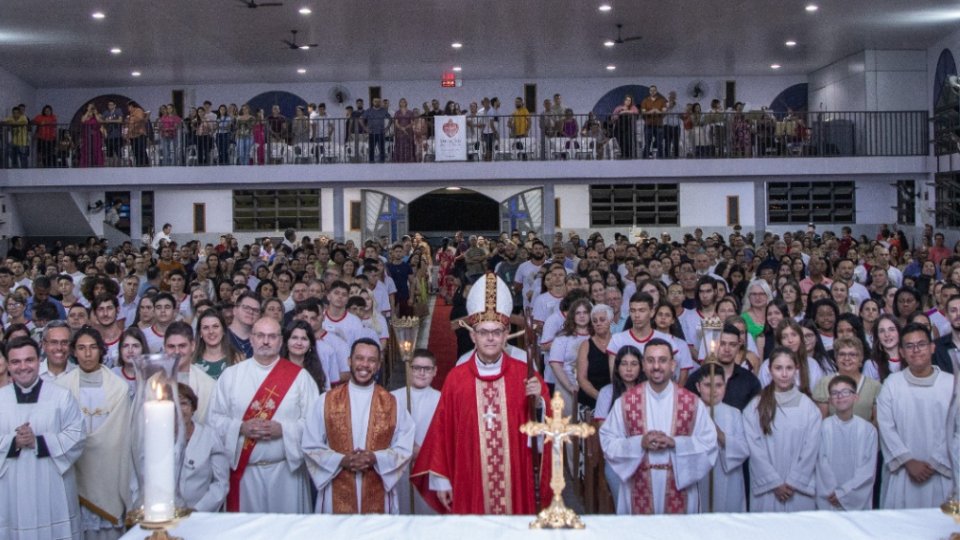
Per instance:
{"type": "Point", "coordinates": [494, 434]}
{"type": "Point", "coordinates": [635, 419]}
{"type": "Point", "coordinates": [264, 404]}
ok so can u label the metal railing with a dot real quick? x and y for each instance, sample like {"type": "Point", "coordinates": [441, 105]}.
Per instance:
{"type": "Point", "coordinates": [504, 136]}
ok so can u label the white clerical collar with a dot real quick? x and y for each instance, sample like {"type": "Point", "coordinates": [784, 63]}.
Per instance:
{"type": "Point", "coordinates": [354, 387]}
{"type": "Point", "coordinates": [489, 370]}
{"type": "Point", "coordinates": [665, 393]}
{"type": "Point", "coordinates": [268, 366]}
{"type": "Point", "coordinates": [30, 388]}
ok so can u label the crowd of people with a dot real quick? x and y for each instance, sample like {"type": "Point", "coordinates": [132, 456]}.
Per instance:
{"type": "Point", "coordinates": [655, 126]}
{"type": "Point", "coordinates": [826, 360]}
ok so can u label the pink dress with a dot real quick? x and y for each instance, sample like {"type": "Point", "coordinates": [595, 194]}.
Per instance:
{"type": "Point", "coordinates": [91, 144]}
{"type": "Point", "coordinates": [260, 138]}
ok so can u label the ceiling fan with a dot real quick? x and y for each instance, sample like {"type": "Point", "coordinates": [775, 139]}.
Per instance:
{"type": "Point", "coordinates": [252, 4]}
{"type": "Point", "coordinates": [621, 40]}
{"type": "Point", "coordinates": [293, 45]}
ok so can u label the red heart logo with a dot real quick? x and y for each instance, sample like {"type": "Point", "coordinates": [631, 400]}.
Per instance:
{"type": "Point", "coordinates": [451, 128]}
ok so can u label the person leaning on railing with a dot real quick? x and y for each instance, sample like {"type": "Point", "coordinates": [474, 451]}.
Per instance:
{"type": "Point", "coordinates": [137, 121]}
{"type": "Point", "coordinates": [18, 148]}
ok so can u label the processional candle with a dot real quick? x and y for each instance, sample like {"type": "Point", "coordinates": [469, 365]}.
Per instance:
{"type": "Point", "coordinates": [159, 418]}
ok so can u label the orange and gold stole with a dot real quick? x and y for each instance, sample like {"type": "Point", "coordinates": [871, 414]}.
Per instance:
{"type": "Point", "coordinates": [382, 424]}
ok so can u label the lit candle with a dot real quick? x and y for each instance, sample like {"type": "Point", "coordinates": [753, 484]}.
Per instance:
{"type": "Point", "coordinates": [158, 441]}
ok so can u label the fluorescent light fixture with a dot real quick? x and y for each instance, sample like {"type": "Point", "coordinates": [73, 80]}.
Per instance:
{"type": "Point", "coordinates": [605, 7]}
{"type": "Point", "coordinates": [115, 50]}
{"type": "Point", "coordinates": [136, 73]}
{"type": "Point", "coordinates": [304, 47]}
{"type": "Point", "coordinates": [98, 15]}
{"type": "Point", "coordinates": [301, 71]}
{"type": "Point", "coordinates": [305, 11]}
{"type": "Point", "coordinates": [608, 43]}
{"type": "Point", "coordinates": [812, 7]}
{"type": "Point", "coordinates": [611, 67]}
{"type": "Point", "coordinates": [456, 44]}
{"type": "Point", "coordinates": [453, 189]}
{"type": "Point", "coordinates": [775, 66]}
{"type": "Point", "coordinates": [791, 43]}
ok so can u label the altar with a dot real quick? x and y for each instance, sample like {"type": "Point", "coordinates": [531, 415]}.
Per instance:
{"type": "Point", "coordinates": [927, 524]}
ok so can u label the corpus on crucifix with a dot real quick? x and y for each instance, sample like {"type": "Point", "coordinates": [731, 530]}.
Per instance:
{"type": "Point", "coordinates": [557, 429]}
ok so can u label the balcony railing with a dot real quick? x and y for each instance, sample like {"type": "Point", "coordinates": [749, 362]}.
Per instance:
{"type": "Point", "coordinates": [278, 140]}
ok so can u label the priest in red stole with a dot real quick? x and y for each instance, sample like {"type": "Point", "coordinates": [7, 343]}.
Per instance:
{"type": "Point", "coordinates": [474, 459]}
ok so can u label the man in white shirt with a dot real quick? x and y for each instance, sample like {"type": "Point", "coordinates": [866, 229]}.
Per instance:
{"type": "Point", "coordinates": [56, 349]}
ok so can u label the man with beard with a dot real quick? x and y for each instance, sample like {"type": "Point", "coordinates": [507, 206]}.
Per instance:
{"type": "Point", "coordinates": [258, 408]}
{"type": "Point", "coordinates": [358, 440]}
{"type": "Point", "coordinates": [507, 271]}
{"type": "Point", "coordinates": [526, 274]}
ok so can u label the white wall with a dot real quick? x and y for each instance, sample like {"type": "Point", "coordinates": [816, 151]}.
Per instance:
{"type": "Point", "coordinates": [871, 80]}
{"type": "Point", "coordinates": [14, 91]}
{"type": "Point", "coordinates": [578, 94]}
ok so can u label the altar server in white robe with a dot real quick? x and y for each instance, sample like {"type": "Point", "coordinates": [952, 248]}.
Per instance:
{"type": "Point", "coordinates": [660, 441]}
{"type": "Point", "coordinates": [912, 414]}
{"type": "Point", "coordinates": [205, 471]}
{"type": "Point", "coordinates": [728, 489]}
{"type": "Point", "coordinates": [259, 408]}
{"type": "Point", "coordinates": [103, 470]}
{"type": "Point", "coordinates": [783, 432]}
{"type": "Point", "coordinates": [358, 441]}
{"type": "Point", "coordinates": [847, 464]}
{"type": "Point", "coordinates": [41, 437]}
{"type": "Point", "coordinates": [424, 401]}
{"type": "Point", "coordinates": [179, 340]}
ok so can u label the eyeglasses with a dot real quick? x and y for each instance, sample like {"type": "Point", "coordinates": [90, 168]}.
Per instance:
{"type": "Point", "coordinates": [484, 334]}
{"type": "Point", "coordinates": [58, 342]}
{"type": "Point", "coordinates": [421, 369]}
{"type": "Point", "coordinates": [250, 310]}
{"type": "Point", "coordinates": [846, 392]}
{"type": "Point", "coordinates": [916, 347]}
{"type": "Point", "coordinates": [259, 336]}
{"type": "Point", "coordinates": [848, 354]}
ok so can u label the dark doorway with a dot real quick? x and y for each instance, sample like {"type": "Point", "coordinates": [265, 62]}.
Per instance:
{"type": "Point", "coordinates": [445, 212]}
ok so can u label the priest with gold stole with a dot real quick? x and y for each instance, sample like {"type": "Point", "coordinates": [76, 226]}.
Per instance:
{"type": "Point", "coordinates": [474, 460]}
{"type": "Point", "coordinates": [358, 441]}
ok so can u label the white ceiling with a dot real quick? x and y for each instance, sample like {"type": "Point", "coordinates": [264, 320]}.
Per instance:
{"type": "Point", "coordinates": [57, 44]}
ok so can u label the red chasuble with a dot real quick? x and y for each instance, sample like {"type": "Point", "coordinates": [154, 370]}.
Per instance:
{"type": "Point", "coordinates": [475, 442]}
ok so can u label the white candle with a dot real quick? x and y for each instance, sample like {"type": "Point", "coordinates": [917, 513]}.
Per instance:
{"type": "Point", "coordinates": [158, 477]}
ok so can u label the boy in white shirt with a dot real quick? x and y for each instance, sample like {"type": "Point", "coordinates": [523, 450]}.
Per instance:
{"type": "Point", "coordinates": [847, 460]}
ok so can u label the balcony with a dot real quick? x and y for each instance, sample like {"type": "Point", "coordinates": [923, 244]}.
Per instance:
{"type": "Point", "coordinates": [570, 148]}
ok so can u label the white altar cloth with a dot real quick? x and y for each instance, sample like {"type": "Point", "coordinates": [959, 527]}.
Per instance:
{"type": "Point", "coordinates": [927, 524]}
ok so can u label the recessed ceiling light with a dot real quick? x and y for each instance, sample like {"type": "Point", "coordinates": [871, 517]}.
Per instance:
{"type": "Point", "coordinates": [305, 11]}
{"type": "Point", "coordinates": [457, 68]}
{"type": "Point", "coordinates": [304, 47]}
{"type": "Point", "coordinates": [116, 50]}
{"type": "Point", "coordinates": [301, 71]}
{"type": "Point", "coordinates": [608, 43]}
{"type": "Point", "coordinates": [611, 68]}
{"type": "Point", "coordinates": [775, 66]}
{"type": "Point", "coordinates": [605, 7]}
{"type": "Point", "coordinates": [791, 43]}
{"type": "Point", "coordinates": [98, 15]}
{"type": "Point", "coordinates": [453, 189]}
{"type": "Point", "coordinates": [456, 44]}
{"type": "Point", "coordinates": [812, 7]}
{"type": "Point", "coordinates": [136, 73]}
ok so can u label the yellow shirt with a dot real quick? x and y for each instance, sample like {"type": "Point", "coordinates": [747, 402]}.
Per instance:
{"type": "Point", "coordinates": [18, 132]}
{"type": "Point", "coordinates": [521, 122]}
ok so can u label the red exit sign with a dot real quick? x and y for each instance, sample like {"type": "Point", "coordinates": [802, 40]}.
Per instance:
{"type": "Point", "coordinates": [449, 80]}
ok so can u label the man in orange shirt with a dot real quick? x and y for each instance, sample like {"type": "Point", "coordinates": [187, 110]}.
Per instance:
{"type": "Point", "coordinates": [137, 133]}
{"type": "Point", "coordinates": [653, 108]}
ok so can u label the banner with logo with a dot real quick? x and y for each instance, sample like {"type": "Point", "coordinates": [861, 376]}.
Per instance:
{"type": "Point", "coordinates": [450, 141]}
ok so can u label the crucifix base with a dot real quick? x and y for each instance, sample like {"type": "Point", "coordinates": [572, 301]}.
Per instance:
{"type": "Point", "coordinates": [557, 516]}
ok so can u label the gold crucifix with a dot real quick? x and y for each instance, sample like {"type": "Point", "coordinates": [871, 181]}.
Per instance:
{"type": "Point", "coordinates": [557, 429]}
{"type": "Point", "coordinates": [271, 393]}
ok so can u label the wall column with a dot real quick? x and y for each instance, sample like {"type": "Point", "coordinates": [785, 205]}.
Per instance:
{"type": "Point", "coordinates": [136, 216]}
{"type": "Point", "coordinates": [338, 229]}
{"type": "Point", "coordinates": [759, 210]}
{"type": "Point", "coordinates": [549, 212]}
